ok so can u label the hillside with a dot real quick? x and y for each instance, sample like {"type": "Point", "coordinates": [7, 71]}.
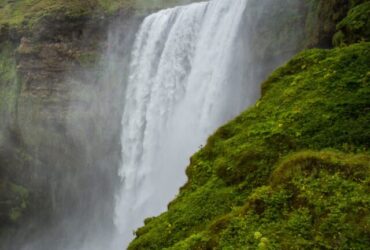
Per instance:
{"type": "Point", "coordinates": [292, 172]}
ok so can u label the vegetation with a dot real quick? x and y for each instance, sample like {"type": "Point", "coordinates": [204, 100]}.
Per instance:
{"type": "Point", "coordinates": [14, 199]}
{"type": "Point", "coordinates": [292, 172]}
{"type": "Point", "coordinates": [24, 14]}
{"type": "Point", "coordinates": [355, 27]}
{"type": "Point", "coordinates": [323, 18]}
{"type": "Point", "coordinates": [9, 86]}
{"type": "Point", "coordinates": [28, 12]}
{"type": "Point", "coordinates": [13, 203]}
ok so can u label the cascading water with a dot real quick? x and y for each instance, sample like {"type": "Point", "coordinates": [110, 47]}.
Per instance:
{"type": "Point", "coordinates": [187, 76]}
{"type": "Point", "coordinates": [192, 68]}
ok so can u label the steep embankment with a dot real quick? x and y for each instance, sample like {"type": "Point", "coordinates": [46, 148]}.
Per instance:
{"type": "Point", "coordinates": [292, 172]}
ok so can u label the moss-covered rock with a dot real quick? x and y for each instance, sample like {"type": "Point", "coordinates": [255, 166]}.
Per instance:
{"type": "Point", "coordinates": [13, 203]}
{"type": "Point", "coordinates": [323, 18]}
{"type": "Point", "coordinates": [8, 76]}
{"type": "Point", "coordinates": [28, 12]}
{"type": "Point", "coordinates": [23, 16]}
{"type": "Point", "coordinates": [316, 200]}
{"type": "Point", "coordinates": [355, 27]}
{"type": "Point", "coordinates": [9, 88]}
{"type": "Point", "coordinates": [267, 180]}
{"type": "Point", "coordinates": [43, 57]}
{"type": "Point", "coordinates": [319, 100]}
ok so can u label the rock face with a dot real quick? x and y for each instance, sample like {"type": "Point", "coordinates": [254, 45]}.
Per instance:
{"type": "Point", "coordinates": [14, 202]}
{"type": "Point", "coordinates": [61, 113]}
{"type": "Point", "coordinates": [326, 18]}
{"type": "Point", "coordinates": [44, 65]}
{"type": "Point", "coordinates": [60, 119]}
{"type": "Point", "coordinates": [61, 137]}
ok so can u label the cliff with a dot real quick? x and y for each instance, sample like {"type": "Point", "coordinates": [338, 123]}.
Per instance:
{"type": "Point", "coordinates": [61, 114]}
{"type": "Point", "coordinates": [292, 172]}
{"type": "Point", "coordinates": [52, 108]}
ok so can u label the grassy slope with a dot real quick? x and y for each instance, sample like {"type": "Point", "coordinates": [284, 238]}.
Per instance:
{"type": "Point", "coordinates": [290, 172]}
{"type": "Point", "coordinates": [22, 13]}
{"type": "Point", "coordinates": [15, 13]}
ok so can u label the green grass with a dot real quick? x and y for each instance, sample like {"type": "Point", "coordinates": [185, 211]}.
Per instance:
{"type": "Point", "coordinates": [28, 12]}
{"type": "Point", "coordinates": [292, 172]}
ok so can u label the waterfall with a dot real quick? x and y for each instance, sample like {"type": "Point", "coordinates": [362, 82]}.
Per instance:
{"type": "Point", "coordinates": [171, 79]}
{"type": "Point", "coordinates": [187, 77]}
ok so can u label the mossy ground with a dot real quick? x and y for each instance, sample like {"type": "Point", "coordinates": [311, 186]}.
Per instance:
{"type": "Point", "coordinates": [27, 12]}
{"type": "Point", "coordinates": [292, 172]}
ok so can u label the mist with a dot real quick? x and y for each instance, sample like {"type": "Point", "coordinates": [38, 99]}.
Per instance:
{"type": "Point", "coordinates": [111, 139]}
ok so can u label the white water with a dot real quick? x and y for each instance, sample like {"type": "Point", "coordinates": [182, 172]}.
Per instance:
{"type": "Point", "coordinates": [187, 77]}
{"type": "Point", "coordinates": [192, 69]}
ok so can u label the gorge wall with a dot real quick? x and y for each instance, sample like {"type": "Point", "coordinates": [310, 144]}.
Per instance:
{"type": "Point", "coordinates": [57, 143]}
{"type": "Point", "coordinates": [61, 113]}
